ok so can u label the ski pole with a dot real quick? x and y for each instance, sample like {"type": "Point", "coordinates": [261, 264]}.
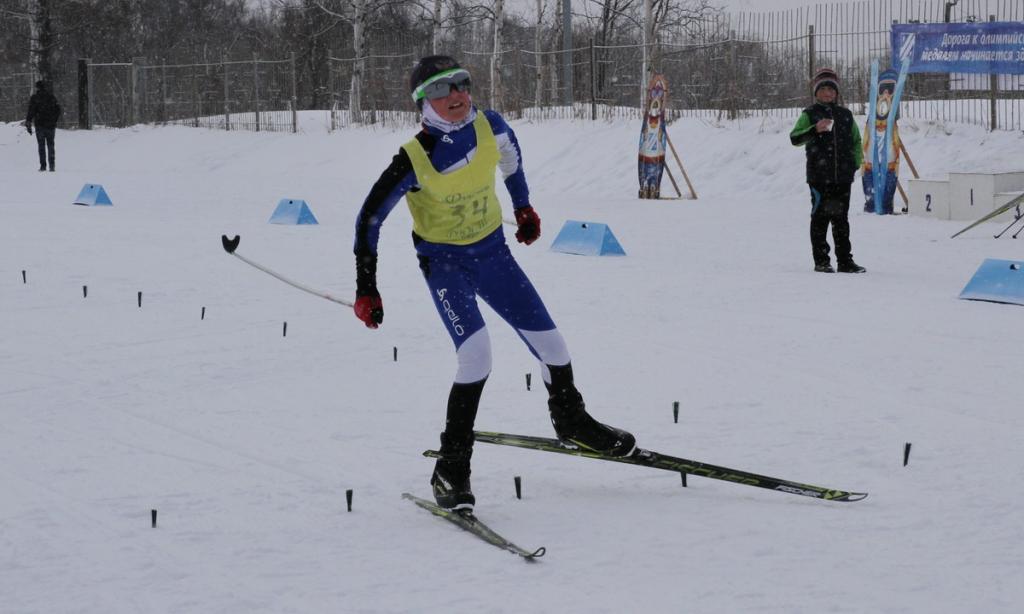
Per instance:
{"type": "Point", "coordinates": [230, 245]}
{"type": "Point", "coordinates": [1012, 224]}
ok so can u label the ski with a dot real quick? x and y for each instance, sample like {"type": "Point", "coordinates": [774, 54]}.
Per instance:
{"type": "Point", "coordinates": [467, 521]}
{"type": "Point", "coordinates": [647, 458]}
{"type": "Point", "coordinates": [1016, 202]}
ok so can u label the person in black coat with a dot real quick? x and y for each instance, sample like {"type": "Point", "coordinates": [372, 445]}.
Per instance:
{"type": "Point", "coordinates": [43, 112]}
{"type": "Point", "coordinates": [832, 142]}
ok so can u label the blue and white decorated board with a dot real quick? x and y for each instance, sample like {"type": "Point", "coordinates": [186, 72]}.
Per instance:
{"type": "Point", "coordinates": [874, 138]}
{"type": "Point", "coordinates": [879, 149]}
{"type": "Point", "coordinates": [653, 139]}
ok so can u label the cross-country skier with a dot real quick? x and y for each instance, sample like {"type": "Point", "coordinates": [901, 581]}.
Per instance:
{"type": "Point", "coordinates": [832, 142]}
{"type": "Point", "coordinates": [447, 175]}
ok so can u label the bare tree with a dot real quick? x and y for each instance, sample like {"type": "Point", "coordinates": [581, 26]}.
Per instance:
{"type": "Point", "coordinates": [539, 58]}
{"type": "Point", "coordinates": [608, 16]}
{"type": "Point", "coordinates": [457, 15]}
{"type": "Point", "coordinates": [358, 14]}
{"type": "Point", "coordinates": [652, 19]}
{"type": "Point", "coordinates": [42, 37]}
{"type": "Point", "coordinates": [499, 22]}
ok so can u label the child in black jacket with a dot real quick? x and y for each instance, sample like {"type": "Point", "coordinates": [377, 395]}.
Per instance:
{"type": "Point", "coordinates": [832, 142]}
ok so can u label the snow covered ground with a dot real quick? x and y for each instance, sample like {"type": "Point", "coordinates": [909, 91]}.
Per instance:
{"type": "Point", "coordinates": [245, 440]}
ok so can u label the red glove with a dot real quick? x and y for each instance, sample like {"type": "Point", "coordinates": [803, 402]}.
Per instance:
{"type": "Point", "coordinates": [370, 310]}
{"type": "Point", "coordinates": [529, 225]}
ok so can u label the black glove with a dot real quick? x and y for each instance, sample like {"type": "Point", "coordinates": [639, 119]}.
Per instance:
{"type": "Point", "coordinates": [28, 127]}
{"type": "Point", "coordinates": [529, 225]}
{"type": "Point", "coordinates": [368, 306]}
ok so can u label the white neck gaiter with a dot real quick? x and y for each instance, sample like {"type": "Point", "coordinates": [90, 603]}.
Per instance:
{"type": "Point", "coordinates": [432, 119]}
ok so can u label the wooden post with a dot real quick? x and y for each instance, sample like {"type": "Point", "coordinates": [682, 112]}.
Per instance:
{"type": "Point", "coordinates": [680, 162]}
{"type": "Point", "coordinates": [84, 117]}
{"type": "Point", "coordinates": [227, 93]}
{"type": "Point", "coordinates": [256, 89]}
{"type": "Point", "coordinates": [810, 53]}
{"type": "Point", "coordinates": [993, 80]}
{"type": "Point", "coordinates": [295, 97]}
{"type": "Point", "coordinates": [593, 81]}
{"type": "Point", "coordinates": [913, 169]}
{"type": "Point", "coordinates": [906, 201]}
{"type": "Point", "coordinates": [195, 99]}
{"type": "Point", "coordinates": [910, 163]}
{"type": "Point", "coordinates": [675, 185]}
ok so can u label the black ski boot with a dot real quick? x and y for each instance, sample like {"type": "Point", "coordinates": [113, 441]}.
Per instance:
{"type": "Point", "coordinates": [450, 480]}
{"type": "Point", "coordinates": [574, 425]}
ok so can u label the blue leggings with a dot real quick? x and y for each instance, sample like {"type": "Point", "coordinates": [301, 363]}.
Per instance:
{"type": "Point", "coordinates": [456, 278]}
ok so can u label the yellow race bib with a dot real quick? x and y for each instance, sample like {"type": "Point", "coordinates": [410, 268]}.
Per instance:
{"type": "Point", "coordinates": [460, 207]}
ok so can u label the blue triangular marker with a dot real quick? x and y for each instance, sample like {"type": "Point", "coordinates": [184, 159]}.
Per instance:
{"type": "Point", "coordinates": [292, 211]}
{"type": "Point", "coordinates": [587, 239]}
{"type": "Point", "coordinates": [998, 281]}
{"type": "Point", "coordinates": [93, 194]}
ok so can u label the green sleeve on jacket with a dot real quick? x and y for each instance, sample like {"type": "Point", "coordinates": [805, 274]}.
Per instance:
{"type": "Point", "coordinates": [802, 131]}
{"type": "Point", "coordinates": [858, 148]}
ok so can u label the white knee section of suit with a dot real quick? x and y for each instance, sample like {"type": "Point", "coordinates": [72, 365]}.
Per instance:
{"type": "Point", "coordinates": [550, 348]}
{"type": "Point", "coordinates": [474, 356]}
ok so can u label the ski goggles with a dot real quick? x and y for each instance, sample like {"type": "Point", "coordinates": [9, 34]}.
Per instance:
{"type": "Point", "coordinates": [441, 84]}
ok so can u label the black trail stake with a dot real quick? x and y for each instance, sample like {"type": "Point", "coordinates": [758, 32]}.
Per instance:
{"type": "Point", "coordinates": [519, 487]}
{"type": "Point", "coordinates": [284, 331]}
{"type": "Point", "coordinates": [140, 300]}
{"type": "Point", "coordinates": [682, 475]}
{"type": "Point", "coordinates": [394, 353]}
{"type": "Point", "coordinates": [675, 411]}
{"type": "Point", "coordinates": [202, 314]}
{"type": "Point", "coordinates": [527, 381]}
{"type": "Point", "coordinates": [23, 280]}
{"type": "Point", "coordinates": [152, 515]}
{"type": "Point", "coordinates": [906, 453]}
{"type": "Point", "coordinates": [85, 291]}
{"type": "Point", "coordinates": [348, 499]}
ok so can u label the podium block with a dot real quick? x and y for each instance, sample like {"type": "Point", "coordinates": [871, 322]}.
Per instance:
{"type": "Point", "coordinates": [928, 198]}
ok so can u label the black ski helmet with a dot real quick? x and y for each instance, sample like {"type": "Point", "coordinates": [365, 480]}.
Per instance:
{"type": "Point", "coordinates": [426, 68]}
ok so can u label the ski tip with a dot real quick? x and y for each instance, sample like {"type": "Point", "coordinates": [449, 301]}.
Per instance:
{"type": "Point", "coordinates": [230, 245]}
{"type": "Point", "coordinates": [536, 554]}
{"type": "Point", "coordinates": [853, 496]}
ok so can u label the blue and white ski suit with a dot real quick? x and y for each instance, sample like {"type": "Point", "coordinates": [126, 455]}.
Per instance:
{"type": "Point", "coordinates": [457, 274]}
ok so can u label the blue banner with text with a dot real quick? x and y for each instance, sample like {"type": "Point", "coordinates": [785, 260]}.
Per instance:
{"type": "Point", "coordinates": [992, 47]}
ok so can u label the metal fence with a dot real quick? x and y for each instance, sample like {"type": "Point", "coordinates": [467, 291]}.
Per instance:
{"type": "Point", "coordinates": [231, 95]}
{"type": "Point", "coordinates": [735, 64]}
{"type": "Point", "coordinates": [730, 65]}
